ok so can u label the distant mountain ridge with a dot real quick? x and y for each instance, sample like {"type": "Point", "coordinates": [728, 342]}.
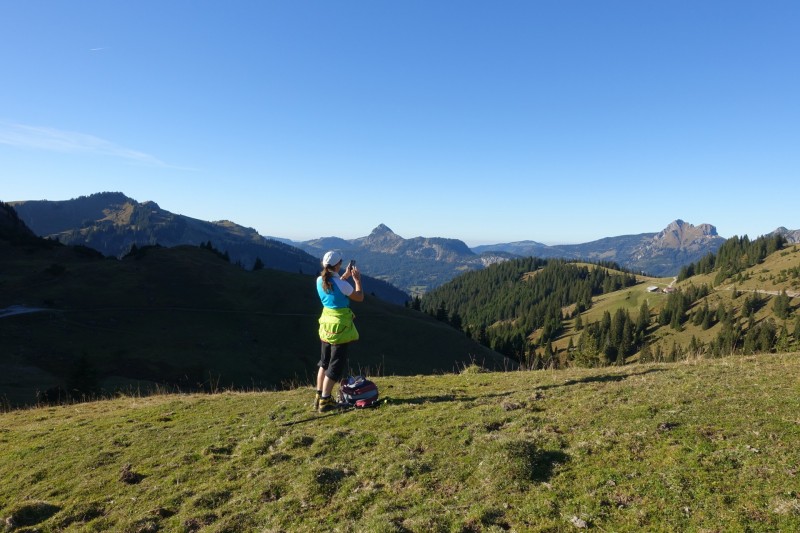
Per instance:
{"type": "Point", "coordinates": [658, 254]}
{"type": "Point", "coordinates": [792, 236]}
{"type": "Point", "coordinates": [415, 265]}
{"type": "Point", "coordinates": [111, 223]}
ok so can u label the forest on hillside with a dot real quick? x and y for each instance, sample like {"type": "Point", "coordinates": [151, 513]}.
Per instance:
{"type": "Point", "coordinates": [520, 307]}
{"type": "Point", "coordinates": [504, 304]}
{"type": "Point", "coordinates": [736, 255]}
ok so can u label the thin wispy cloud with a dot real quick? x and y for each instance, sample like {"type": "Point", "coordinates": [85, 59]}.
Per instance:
{"type": "Point", "coordinates": [53, 140]}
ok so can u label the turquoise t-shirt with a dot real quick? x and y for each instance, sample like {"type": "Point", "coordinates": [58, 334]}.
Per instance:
{"type": "Point", "coordinates": [337, 298]}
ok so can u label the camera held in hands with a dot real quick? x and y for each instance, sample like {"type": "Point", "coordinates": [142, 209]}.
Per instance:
{"type": "Point", "coordinates": [351, 264]}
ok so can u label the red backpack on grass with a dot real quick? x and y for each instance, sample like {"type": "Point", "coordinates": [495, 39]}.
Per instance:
{"type": "Point", "coordinates": [358, 392]}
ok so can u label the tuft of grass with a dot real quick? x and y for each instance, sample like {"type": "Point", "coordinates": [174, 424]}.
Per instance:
{"type": "Point", "coordinates": [681, 447]}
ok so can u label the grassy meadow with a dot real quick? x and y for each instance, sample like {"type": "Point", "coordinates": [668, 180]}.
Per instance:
{"type": "Point", "coordinates": [702, 445]}
{"type": "Point", "coordinates": [184, 317]}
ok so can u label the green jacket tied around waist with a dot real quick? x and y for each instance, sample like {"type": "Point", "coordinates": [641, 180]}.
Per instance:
{"type": "Point", "coordinates": [336, 326]}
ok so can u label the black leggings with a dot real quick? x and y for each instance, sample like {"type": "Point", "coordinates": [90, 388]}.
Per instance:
{"type": "Point", "coordinates": [333, 359]}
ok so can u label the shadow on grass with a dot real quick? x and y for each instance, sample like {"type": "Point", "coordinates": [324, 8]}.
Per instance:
{"type": "Point", "coordinates": [546, 463]}
{"type": "Point", "coordinates": [442, 398]}
{"type": "Point", "coordinates": [320, 416]}
{"type": "Point", "coordinates": [608, 378]}
{"type": "Point", "coordinates": [523, 461]}
{"type": "Point", "coordinates": [416, 400]}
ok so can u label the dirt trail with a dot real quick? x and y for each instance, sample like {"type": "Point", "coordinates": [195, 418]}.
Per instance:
{"type": "Point", "coordinates": [790, 294]}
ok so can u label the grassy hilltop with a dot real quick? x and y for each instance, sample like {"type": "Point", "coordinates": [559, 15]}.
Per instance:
{"type": "Point", "coordinates": [692, 446]}
{"type": "Point", "coordinates": [185, 317]}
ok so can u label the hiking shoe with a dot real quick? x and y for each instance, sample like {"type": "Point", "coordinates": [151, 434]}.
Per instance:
{"type": "Point", "coordinates": [317, 397]}
{"type": "Point", "coordinates": [327, 404]}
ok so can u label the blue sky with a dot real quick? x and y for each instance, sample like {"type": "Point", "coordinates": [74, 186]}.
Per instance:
{"type": "Point", "coordinates": [560, 122]}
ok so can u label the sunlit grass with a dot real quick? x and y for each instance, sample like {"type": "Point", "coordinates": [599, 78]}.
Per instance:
{"type": "Point", "coordinates": [688, 446]}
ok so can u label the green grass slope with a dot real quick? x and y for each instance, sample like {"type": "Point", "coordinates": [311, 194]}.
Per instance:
{"type": "Point", "coordinates": [780, 271]}
{"type": "Point", "coordinates": [183, 316]}
{"type": "Point", "coordinates": [681, 447]}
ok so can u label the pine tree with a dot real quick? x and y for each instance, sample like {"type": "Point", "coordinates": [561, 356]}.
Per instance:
{"type": "Point", "coordinates": [695, 347]}
{"type": "Point", "coordinates": [643, 322]}
{"type": "Point", "coordinates": [620, 357]}
{"type": "Point", "coordinates": [441, 312]}
{"type": "Point", "coordinates": [782, 344]}
{"type": "Point", "coordinates": [455, 320]}
{"type": "Point", "coordinates": [750, 341]}
{"type": "Point", "coordinates": [782, 307]}
{"type": "Point", "coordinates": [675, 323]}
{"type": "Point", "coordinates": [706, 324]}
{"type": "Point", "coordinates": [766, 336]}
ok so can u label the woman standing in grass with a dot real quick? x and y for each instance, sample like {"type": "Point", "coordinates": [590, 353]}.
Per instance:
{"type": "Point", "coordinates": [336, 328]}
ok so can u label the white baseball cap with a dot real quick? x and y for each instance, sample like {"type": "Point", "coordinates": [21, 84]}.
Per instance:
{"type": "Point", "coordinates": [331, 258]}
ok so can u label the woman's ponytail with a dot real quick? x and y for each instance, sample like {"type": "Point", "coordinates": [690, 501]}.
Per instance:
{"type": "Point", "coordinates": [327, 274]}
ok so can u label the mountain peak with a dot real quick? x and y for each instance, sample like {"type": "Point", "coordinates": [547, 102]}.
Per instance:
{"type": "Point", "coordinates": [382, 237]}
{"type": "Point", "coordinates": [679, 234]}
{"type": "Point", "coordinates": [682, 226]}
{"type": "Point", "coordinates": [677, 223]}
{"type": "Point", "coordinates": [382, 229]}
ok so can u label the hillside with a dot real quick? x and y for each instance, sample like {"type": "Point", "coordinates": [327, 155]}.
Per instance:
{"type": "Point", "coordinates": [747, 300]}
{"type": "Point", "coordinates": [112, 223]}
{"type": "Point", "coordinates": [659, 448]}
{"type": "Point", "coordinates": [551, 313]}
{"type": "Point", "coordinates": [11, 227]}
{"type": "Point", "coordinates": [186, 317]}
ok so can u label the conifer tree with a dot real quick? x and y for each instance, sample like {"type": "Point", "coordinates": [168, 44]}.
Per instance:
{"type": "Point", "coordinates": [455, 320]}
{"type": "Point", "coordinates": [781, 306]}
{"type": "Point", "coordinates": [766, 336]}
{"type": "Point", "coordinates": [706, 321]}
{"type": "Point", "coordinates": [750, 341]}
{"type": "Point", "coordinates": [643, 322]}
{"type": "Point", "coordinates": [782, 344]}
{"type": "Point", "coordinates": [441, 312]}
{"type": "Point", "coordinates": [626, 342]}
